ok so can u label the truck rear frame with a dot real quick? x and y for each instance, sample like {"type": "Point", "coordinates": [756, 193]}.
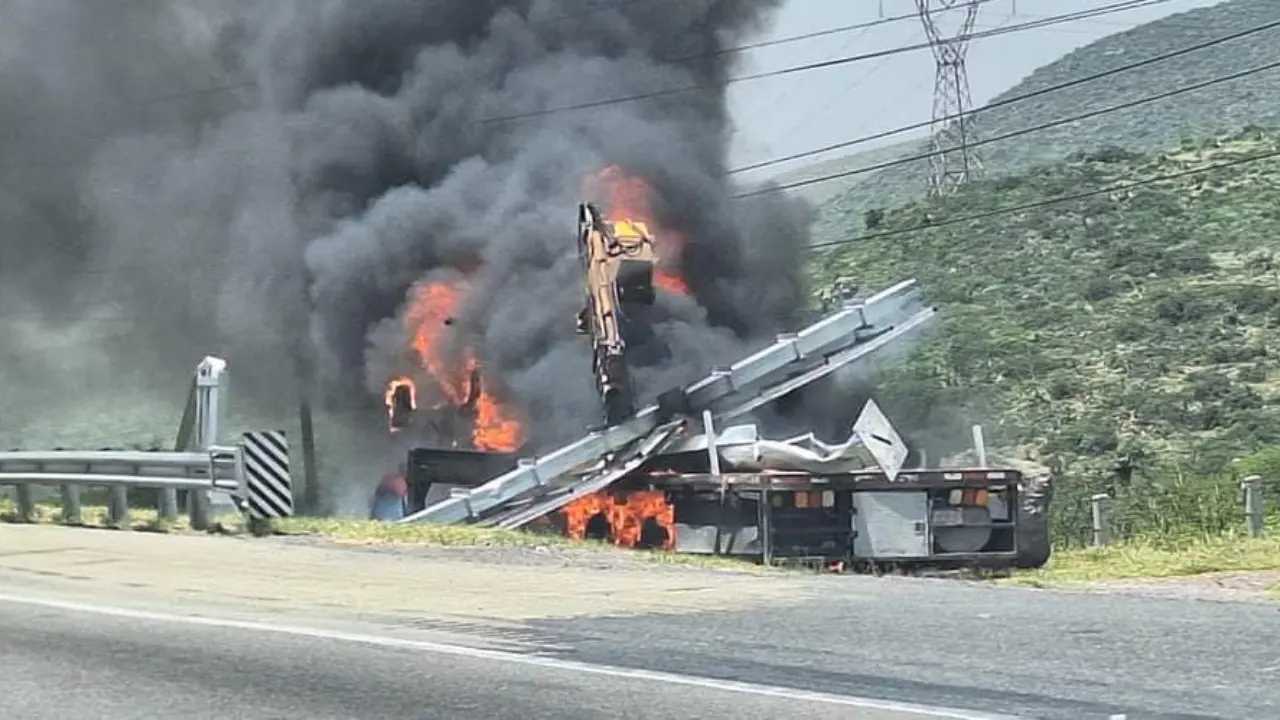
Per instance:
{"type": "Point", "coordinates": [954, 517]}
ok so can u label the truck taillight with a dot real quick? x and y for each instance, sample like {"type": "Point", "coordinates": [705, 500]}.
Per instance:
{"type": "Point", "coordinates": [805, 499]}
{"type": "Point", "coordinates": [976, 476]}
{"type": "Point", "coordinates": [972, 497]}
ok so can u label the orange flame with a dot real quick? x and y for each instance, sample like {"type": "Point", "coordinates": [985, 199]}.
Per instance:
{"type": "Point", "coordinates": [629, 198]}
{"type": "Point", "coordinates": [494, 430]}
{"type": "Point", "coordinates": [389, 399]}
{"type": "Point", "coordinates": [626, 515]}
{"type": "Point", "coordinates": [431, 308]}
{"type": "Point", "coordinates": [458, 375]}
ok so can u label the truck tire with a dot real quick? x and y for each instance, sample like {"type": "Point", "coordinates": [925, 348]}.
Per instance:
{"type": "Point", "coordinates": [1034, 547]}
{"type": "Point", "coordinates": [1035, 496]}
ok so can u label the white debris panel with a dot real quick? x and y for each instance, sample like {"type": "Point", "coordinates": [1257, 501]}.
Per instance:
{"type": "Point", "coordinates": [872, 443]}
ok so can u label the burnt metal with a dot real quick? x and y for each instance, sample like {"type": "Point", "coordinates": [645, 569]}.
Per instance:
{"type": "Point", "coordinates": [453, 468]}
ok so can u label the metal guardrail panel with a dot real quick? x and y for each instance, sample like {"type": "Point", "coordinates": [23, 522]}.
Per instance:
{"type": "Point", "coordinates": [593, 482]}
{"type": "Point", "coordinates": [539, 472]}
{"type": "Point", "coordinates": [737, 405]}
{"type": "Point", "coordinates": [107, 462]}
{"type": "Point", "coordinates": [829, 335]}
{"type": "Point", "coordinates": [163, 483]}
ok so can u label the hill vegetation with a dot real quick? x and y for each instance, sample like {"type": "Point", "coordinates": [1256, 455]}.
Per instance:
{"type": "Point", "coordinates": [820, 192]}
{"type": "Point", "coordinates": [1128, 339]}
{"type": "Point", "coordinates": [1221, 108]}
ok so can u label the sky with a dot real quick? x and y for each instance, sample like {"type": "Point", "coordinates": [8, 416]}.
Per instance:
{"type": "Point", "coordinates": [794, 113]}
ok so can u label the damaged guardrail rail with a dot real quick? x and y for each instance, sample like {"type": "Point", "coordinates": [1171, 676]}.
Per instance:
{"type": "Point", "coordinates": [795, 359]}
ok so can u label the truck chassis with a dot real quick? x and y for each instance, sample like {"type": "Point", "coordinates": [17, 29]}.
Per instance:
{"type": "Point", "coordinates": [937, 518]}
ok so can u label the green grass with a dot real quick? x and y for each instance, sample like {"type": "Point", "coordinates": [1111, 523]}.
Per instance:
{"type": "Point", "coordinates": [1147, 559]}
{"type": "Point", "coordinates": [96, 516]}
{"type": "Point", "coordinates": [371, 533]}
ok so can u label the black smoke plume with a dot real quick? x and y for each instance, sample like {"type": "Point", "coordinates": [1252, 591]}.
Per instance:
{"type": "Point", "coordinates": [268, 181]}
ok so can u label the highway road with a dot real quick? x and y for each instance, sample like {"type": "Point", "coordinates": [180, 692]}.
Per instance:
{"type": "Point", "coordinates": [121, 625]}
{"type": "Point", "coordinates": [60, 661]}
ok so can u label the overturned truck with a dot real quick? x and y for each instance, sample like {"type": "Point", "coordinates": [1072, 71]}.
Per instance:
{"type": "Point", "coordinates": [648, 479]}
{"type": "Point", "coordinates": [792, 500]}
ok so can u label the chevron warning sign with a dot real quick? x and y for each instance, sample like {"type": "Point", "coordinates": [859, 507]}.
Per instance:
{"type": "Point", "coordinates": [269, 486]}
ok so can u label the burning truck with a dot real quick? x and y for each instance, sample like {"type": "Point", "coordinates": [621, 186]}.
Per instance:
{"type": "Point", "coordinates": [736, 493]}
{"type": "Point", "coordinates": [733, 493]}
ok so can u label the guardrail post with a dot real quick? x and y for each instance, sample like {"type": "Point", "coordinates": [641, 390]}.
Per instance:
{"type": "Point", "coordinates": [71, 513]}
{"type": "Point", "coordinates": [1101, 519]}
{"type": "Point", "coordinates": [1254, 512]}
{"type": "Point", "coordinates": [167, 506]}
{"type": "Point", "coordinates": [118, 507]}
{"type": "Point", "coordinates": [26, 503]}
{"type": "Point", "coordinates": [198, 509]}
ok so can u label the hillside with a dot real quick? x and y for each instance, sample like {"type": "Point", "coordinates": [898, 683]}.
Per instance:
{"type": "Point", "coordinates": [1222, 108]}
{"type": "Point", "coordinates": [1123, 336]}
{"type": "Point", "coordinates": [819, 193]}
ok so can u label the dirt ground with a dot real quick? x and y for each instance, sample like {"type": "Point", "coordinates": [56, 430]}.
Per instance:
{"type": "Point", "coordinates": [305, 575]}
{"type": "Point", "coordinates": [1253, 586]}
{"type": "Point", "coordinates": [491, 586]}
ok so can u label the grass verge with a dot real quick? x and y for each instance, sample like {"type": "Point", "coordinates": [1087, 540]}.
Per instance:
{"type": "Point", "coordinates": [1150, 559]}
{"type": "Point", "coordinates": [368, 532]}
{"type": "Point", "coordinates": [95, 516]}
{"type": "Point", "coordinates": [1133, 559]}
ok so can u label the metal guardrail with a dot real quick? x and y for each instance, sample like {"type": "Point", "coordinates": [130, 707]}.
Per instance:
{"type": "Point", "coordinates": [197, 466]}
{"type": "Point", "coordinates": [218, 468]}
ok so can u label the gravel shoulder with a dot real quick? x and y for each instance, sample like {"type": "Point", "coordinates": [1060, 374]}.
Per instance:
{"type": "Point", "coordinates": [1253, 587]}
{"type": "Point", "coordinates": [314, 577]}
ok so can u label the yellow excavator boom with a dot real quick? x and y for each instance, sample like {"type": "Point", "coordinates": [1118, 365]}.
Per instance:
{"type": "Point", "coordinates": [618, 261]}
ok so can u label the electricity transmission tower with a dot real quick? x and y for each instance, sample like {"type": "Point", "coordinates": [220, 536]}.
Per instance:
{"type": "Point", "coordinates": [953, 161]}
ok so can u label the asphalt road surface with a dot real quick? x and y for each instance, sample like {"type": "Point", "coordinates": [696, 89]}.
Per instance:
{"type": "Point", "coordinates": [60, 663]}
{"type": "Point", "coordinates": [120, 625]}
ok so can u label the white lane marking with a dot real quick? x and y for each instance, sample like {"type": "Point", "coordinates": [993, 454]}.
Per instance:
{"type": "Point", "coordinates": [512, 658]}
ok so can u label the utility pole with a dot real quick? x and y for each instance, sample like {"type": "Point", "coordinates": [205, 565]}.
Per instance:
{"type": "Point", "coordinates": [953, 161]}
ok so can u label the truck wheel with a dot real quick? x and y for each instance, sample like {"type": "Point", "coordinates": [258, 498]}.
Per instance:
{"type": "Point", "coordinates": [1034, 547]}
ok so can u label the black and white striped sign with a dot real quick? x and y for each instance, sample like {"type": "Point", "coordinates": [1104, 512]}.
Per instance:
{"type": "Point", "coordinates": [266, 470]}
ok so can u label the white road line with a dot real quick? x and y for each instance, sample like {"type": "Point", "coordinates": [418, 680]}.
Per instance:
{"type": "Point", "coordinates": [511, 657]}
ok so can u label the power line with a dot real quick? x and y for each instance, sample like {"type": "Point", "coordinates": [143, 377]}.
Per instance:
{"type": "Point", "coordinates": [833, 98]}
{"type": "Point", "coordinates": [1018, 133]}
{"type": "Point", "coordinates": [833, 62]}
{"type": "Point", "coordinates": [836, 96]}
{"type": "Point", "coordinates": [838, 30]}
{"type": "Point", "coordinates": [1054, 201]}
{"type": "Point", "coordinates": [1010, 100]}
